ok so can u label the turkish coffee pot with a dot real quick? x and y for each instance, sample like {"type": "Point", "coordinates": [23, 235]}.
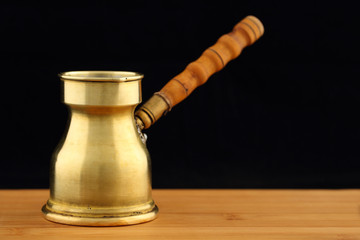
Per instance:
{"type": "Point", "coordinates": [100, 173]}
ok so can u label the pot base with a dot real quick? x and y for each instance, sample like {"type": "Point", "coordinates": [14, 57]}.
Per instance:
{"type": "Point", "coordinates": [99, 220]}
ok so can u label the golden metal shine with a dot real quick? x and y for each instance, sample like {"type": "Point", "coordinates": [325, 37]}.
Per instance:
{"type": "Point", "coordinates": [101, 171]}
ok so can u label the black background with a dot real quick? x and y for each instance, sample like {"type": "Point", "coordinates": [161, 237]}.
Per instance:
{"type": "Point", "coordinates": [282, 115]}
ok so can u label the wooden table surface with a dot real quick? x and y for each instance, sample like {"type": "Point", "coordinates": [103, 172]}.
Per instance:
{"type": "Point", "coordinates": [203, 214]}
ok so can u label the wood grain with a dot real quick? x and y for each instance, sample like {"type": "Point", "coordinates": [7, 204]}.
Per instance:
{"type": "Point", "coordinates": [228, 47]}
{"type": "Point", "coordinates": [203, 214]}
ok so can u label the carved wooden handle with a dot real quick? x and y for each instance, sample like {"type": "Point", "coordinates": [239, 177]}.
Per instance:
{"type": "Point", "coordinates": [213, 59]}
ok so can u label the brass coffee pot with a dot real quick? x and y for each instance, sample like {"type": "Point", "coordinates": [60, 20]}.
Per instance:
{"type": "Point", "coordinates": [100, 174]}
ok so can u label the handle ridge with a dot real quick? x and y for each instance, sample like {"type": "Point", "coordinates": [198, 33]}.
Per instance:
{"type": "Point", "coordinates": [228, 47]}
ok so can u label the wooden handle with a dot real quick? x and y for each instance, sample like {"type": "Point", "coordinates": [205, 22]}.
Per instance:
{"type": "Point", "coordinates": [213, 59]}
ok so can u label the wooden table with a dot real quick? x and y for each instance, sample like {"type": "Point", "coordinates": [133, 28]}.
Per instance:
{"type": "Point", "coordinates": [203, 214]}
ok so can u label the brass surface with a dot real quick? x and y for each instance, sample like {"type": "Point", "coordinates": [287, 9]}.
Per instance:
{"type": "Point", "coordinates": [151, 111]}
{"type": "Point", "coordinates": [101, 171]}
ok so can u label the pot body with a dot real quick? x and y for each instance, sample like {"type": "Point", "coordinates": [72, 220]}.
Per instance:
{"type": "Point", "coordinates": [101, 171]}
